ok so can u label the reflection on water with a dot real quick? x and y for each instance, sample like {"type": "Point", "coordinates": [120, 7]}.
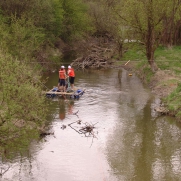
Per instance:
{"type": "Point", "coordinates": [65, 106]}
{"type": "Point", "coordinates": [142, 147]}
{"type": "Point", "coordinates": [132, 142]}
{"type": "Point", "coordinates": [61, 109]}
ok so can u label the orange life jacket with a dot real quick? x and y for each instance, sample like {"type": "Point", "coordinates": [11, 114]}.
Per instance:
{"type": "Point", "coordinates": [71, 72]}
{"type": "Point", "coordinates": [62, 74]}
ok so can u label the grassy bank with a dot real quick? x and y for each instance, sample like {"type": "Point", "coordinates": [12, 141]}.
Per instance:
{"type": "Point", "coordinates": [166, 83]}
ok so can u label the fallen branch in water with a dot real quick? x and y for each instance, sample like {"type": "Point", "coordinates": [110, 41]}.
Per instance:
{"type": "Point", "coordinates": [76, 113]}
{"type": "Point", "coordinates": [87, 130]}
{"type": "Point", "coordinates": [4, 170]}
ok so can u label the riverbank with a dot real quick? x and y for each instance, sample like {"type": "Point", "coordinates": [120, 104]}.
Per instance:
{"type": "Point", "coordinates": [165, 83]}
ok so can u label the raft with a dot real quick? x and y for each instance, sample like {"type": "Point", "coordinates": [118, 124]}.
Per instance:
{"type": "Point", "coordinates": [76, 94]}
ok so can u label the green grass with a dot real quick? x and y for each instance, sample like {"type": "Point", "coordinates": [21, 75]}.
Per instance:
{"type": "Point", "coordinates": [174, 101]}
{"type": "Point", "coordinates": [165, 58]}
{"type": "Point", "coordinates": [146, 70]}
{"type": "Point", "coordinates": [169, 59]}
{"type": "Point", "coordinates": [169, 82]}
{"type": "Point", "coordinates": [131, 54]}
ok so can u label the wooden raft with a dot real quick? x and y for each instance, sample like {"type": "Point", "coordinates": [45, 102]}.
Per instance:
{"type": "Point", "coordinates": [60, 93]}
{"type": "Point", "coordinates": [74, 93]}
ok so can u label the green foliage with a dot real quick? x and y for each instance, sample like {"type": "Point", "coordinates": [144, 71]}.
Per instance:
{"type": "Point", "coordinates": [29, 30]}
{"type": "Point", "coordinates": [24, 38]}
{"type": "Point", "coordinates": [136, 14]}
{"type": "Point", "coordinates": [58, 18]}
{"type": "Point", "coordinates": [76, 22]}
{"type": "Point", "coordinates": [101, 17]}
{"type": "Point", "coordinates": [134, 52]}
{"type": "Point", "coordinates": [173, 101]}
{"type": "Point", "coordinates": [45, 15]}
{"type": "Point", "coordinates": [146, 21]}
{"type": "Point", "coordinates": [48, 16]}
{"type": "Point", "coordinates": [17, 7]}
{"type": "Point", "coordinates": [18, 144]}
{"type": "Point", "coordinates": [20, 95]}
{"type": "Point", "coordinates": [148, 73]}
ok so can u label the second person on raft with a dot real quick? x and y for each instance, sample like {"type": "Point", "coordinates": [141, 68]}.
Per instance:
{"type": "Point", "coordinates": [71, 75]}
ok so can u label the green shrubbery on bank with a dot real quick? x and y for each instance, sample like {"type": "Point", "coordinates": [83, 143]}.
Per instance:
{"type": "Point", "coordinates": [31, 32]}
{"type": "Point", "coordinates": [167, 59]}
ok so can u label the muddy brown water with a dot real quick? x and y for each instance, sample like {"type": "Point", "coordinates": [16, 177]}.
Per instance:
{"type": "Point", "coordinates": [132, 142]}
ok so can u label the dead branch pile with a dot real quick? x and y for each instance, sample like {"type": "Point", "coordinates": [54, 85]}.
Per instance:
{"type": "Point", "coordinates": [98, 57]}
{"type": "Point", "coordinates": [87, 129]}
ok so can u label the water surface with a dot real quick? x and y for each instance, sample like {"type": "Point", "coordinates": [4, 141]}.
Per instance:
{"type": "Point", "coordinates": [131, 142]}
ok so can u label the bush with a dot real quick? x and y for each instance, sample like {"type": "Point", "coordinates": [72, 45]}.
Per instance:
{"type": "Point", "coordinates": [20, 92]}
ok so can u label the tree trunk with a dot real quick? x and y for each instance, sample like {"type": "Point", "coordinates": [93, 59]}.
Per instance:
{"type": "Point", "coordinates": [150, 40]}
{"type": "Point", "coordinates": [150, 57]}
{"type": "Point", "coordinates": [153, 65]}
{"type": "Point", "coordinates": [120, 48]}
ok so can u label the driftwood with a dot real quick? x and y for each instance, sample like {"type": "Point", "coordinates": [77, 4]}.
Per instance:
{"type": "Point", "coordinates": [98, 57]}
{"type": "Point", "coordinates": [3, 170]}
{"type": "Point", "coordinates": [87, 129]}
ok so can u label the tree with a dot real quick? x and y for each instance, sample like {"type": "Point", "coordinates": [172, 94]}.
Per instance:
{"type": "Point", "coordinates": [76, 21]}
{"type": "Point", "coordinates": [145, 19]}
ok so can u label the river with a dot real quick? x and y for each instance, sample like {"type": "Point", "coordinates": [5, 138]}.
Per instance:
{"type": "Point", "coordinates": [131, 142]}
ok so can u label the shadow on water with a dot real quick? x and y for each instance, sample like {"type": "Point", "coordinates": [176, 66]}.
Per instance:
{"type": "Point", "coordinates": [132, 142]}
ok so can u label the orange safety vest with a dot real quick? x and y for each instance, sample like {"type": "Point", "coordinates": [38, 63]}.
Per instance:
{"type": "Point", "coordinates": [62, 74]}
{"type": "Point", "coordinates": [71, 72]}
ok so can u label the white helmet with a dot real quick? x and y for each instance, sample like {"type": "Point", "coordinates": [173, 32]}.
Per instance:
{"type": "Point", "coordinates": [69, 66]}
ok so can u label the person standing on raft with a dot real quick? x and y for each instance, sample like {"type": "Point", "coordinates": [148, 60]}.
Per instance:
{"type": "Point", "coordinates": [62, 77]}
{"type": "Point", "coordinates": [71, 75]}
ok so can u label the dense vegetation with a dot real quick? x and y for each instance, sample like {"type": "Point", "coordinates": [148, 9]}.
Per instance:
{"type": "Point", "coordinates": [35, 33]}
{"type": "Point", "coordinates": [30, 33]}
